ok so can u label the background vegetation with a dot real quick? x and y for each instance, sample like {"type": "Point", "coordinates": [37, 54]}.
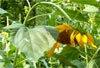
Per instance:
{"type": "Point", "coordinates": [27, 31]}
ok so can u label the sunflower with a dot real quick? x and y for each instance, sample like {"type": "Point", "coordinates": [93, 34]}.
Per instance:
{"type": "Point", "coordinates": [71, 37]}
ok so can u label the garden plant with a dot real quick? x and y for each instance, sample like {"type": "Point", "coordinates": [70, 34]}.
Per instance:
{"type": "Point", "coordinates": [49, 33]}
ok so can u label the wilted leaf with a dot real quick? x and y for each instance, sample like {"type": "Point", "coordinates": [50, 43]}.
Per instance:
{"type": "Point", "coordinates": [33, 42]}
{"type": "Point", "coordinates": [14, 26]}
{"type": "Point", "coordinates": [51, 30]}
{"type": "Point", "coordinates": [13, 30]}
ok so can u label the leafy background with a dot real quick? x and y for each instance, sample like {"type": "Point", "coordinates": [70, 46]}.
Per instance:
{"type": "Point", "coordinates": [23, 45]}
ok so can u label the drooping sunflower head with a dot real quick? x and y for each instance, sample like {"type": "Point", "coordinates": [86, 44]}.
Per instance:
{"type": "Point", "coordinates": [67, 35]}
{"type": "Point", "coordinates": [71, 37]}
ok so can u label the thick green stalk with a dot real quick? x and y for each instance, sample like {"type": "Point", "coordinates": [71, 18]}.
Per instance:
{"type": "Point", "coordinates": [61, 66]}
{"type": "Point", "coordinates": [29, 13]}
{"type": "Point", "coordinates": [51, 63]}
{"type": "Point", "coordinates": [20, 19]}
{"type": "Point", "coordinates": [0, 7]}
{"type": "Point", "coordinates": [48, 3]}
{"type": "Point", "coordinates": [28, 4]}
{"type": "Point", "coordinates": [58, 7]}
{"type": "Point", "coordinates": [34, 64]}
{"type": "Point", "coordinates": [21, 61]}
{"type": "Point", "coordinates": [95, 54]}
{"type": "Point", "coordinates": [0, 3]}
{"type": "Point", "coordinates": [92, 21]}
{"type": "Point", "coordinates": [15, 60]}
{"type": "Point", "coordinates": [86, 54]}
{"type": "Point", "coordinates": [7, 45]}
{"type": "Point", "coordinates": [38, 16]}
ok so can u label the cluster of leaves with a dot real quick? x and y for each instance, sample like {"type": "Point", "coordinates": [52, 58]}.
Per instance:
{"type": "Point", "coordinates": [21, 45]}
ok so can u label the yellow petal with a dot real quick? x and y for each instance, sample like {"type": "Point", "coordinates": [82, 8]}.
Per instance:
{"type": "Point", "coordinates": [72, 39]}
{"type": "Point", "coordinates": [94, 46]}
{"type": "Point", "coordinates": [91, 43]}
{"type": "Point", "coordinates": [51, 51]}
{"type": "Point", "coordinates": [78, 37]}
{"type": "Point", "coordinates": [84, 38]}
{"type": "Point", "coordinates": [90, 38]}
{"type": "Point", "coordinates": [63, 27]}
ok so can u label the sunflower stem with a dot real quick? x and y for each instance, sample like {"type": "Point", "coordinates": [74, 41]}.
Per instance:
{"type": "Point", "coordinates": [34, 64]}
{"type": "Point", "coordinates": [39, 16]}
{"type": "Point", "coordinates": [86, 54]}
{"type": "Point", "coordinates": [15, 60]}
{"type": "Point", "coordinates": [61, 66]}
{"type": "Point", "coordinates": [28, 4]}
{"type": "Point", "coordinates": [29, 12]}
{"type": "Point", "coordinates": [92, 21]}
{"type": "Point", "coordinates": [48, 3]}
{"type": "Point", "coordinates": [59, 8]}
{"type": "Point", "coordinates": [21, 62]}
{"type": "Point", "coordinates": [51, 62]}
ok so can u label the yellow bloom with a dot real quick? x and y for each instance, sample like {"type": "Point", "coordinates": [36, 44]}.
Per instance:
{"type": "Point", "coordinates": [84, 38]}
{"type": "Point", "coordinates": [72, 39]}
{"type": "Point", "coordinates": [63, 27]}
{"type": "Point", "coordinates": [51, 51]}
{"type": "Point", "coordinates": [78, 38]}
{"type": "Point", "coordinates": [69, 36]}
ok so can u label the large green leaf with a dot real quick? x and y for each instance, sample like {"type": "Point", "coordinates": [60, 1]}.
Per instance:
{"type": "Point", "coordinates": [34, 42]}
{"type": "Point", "coordinates": [14, 26]}
{"type": "Point", "coordinates": [91, 2]}
{"type": "Point", "coordinates": [51, 30]}
{"type": "Point", "coordinates": [13, 30]}
{"type": "Point", "coordinates": [64, 60]}
{"type": "Point", "coordinates": [90, 64]}
{"type": "Point", "coordinates": [52, 19]}
{"type": "Point", "coordinates": [70, 53]}
{"type": "Point", "coordinates": [79, 64]}
{"type": "Point", "coordinates": [75, 15]}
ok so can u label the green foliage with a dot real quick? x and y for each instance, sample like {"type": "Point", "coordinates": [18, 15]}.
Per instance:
{"type": "Point", "coordinates": [89, 8]}
{"type": "Point", "coordinates": [1, 26]}
{"type": "Point", "coordinates": [90, 2]}
{"type": "Point", "coordinates": [64, 60]}
{"type": "Point", "coordinates": [70, 53]}
{"type": "Point", "coordinates": [28, 34]}
{"type": "Point", "coordinates": [1, 64]}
